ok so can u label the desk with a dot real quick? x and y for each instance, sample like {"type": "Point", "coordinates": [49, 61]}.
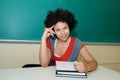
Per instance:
{"type": "Point", "coordinates": [48, 73]}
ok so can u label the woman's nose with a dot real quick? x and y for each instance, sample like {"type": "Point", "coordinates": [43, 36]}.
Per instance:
{"type": "Point", "coordinates": [62, 32]}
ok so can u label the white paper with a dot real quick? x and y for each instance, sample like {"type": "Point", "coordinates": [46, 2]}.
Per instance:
{"type": "Point", "coordinates": [65, 65]}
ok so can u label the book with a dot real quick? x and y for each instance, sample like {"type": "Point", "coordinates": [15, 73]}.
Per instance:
{"type": "Point", "coordinates": [66, 69]}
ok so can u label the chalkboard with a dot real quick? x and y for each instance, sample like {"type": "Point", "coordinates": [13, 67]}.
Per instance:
{"type": "Point", "coordinates": [23, 20]}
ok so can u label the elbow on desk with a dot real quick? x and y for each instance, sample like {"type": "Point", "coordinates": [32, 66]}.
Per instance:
{"type": "Point", "coordinates": [92, 66]}
{"type": "Point", "coordinates": [95, 64]}
{"type": "Point", "coordinates": [43, 64]}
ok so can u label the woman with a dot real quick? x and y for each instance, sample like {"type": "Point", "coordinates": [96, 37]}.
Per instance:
{"type": "Point", "coordinates": [61, 46]}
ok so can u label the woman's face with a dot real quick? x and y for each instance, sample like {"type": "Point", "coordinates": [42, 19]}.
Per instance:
{"type": "Point", "coordinates": [62, 31]}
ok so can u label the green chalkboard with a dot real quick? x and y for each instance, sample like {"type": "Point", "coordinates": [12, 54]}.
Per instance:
{"type": "Point", "coordinates": [98, 20]}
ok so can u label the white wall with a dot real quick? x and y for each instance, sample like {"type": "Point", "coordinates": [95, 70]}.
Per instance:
{"type": "Point", "coordinates": [14, 55]}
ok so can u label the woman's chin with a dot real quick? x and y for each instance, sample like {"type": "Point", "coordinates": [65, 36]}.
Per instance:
{"type": "Point", "coordinates": [64, 39]}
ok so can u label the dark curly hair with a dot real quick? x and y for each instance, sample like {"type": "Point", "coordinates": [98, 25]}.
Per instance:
{"type": "Point", "coordinates": [60, 15]}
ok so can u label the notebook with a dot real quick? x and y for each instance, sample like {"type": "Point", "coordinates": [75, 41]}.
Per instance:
{"type": "Point", "coordinates": [66, 69]}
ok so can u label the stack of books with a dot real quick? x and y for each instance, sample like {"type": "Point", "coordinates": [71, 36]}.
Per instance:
{"type": "Point", "coordinates": [66, 69]}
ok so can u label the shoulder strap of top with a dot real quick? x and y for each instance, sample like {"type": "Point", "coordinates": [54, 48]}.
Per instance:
{"type": "Point", "coordinates": [52, 42]}
{"type": "Point", "coordinates": [76, 50]}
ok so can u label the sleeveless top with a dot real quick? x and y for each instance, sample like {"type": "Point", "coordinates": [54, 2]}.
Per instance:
{"type": "Point", "coordinates": [71, 53]}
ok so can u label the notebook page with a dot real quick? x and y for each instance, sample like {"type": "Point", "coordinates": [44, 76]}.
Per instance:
{"type": "Point", "coordinates": [65, 65]}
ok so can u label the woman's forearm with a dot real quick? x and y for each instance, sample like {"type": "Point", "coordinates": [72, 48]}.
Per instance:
{"type": "Point", "coordinates": [43, 55]}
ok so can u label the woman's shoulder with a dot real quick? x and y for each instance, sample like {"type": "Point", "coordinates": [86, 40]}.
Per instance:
{"type": "Point", "coordinates": [51, 41]}
{"type": "Point", "coordinates": [78, 42]}
{"type": "Point", "coordinates": [76, 39]}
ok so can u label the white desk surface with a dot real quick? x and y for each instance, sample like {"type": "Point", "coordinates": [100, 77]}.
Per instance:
{"type": "Point", "coordinates": [48, 73]}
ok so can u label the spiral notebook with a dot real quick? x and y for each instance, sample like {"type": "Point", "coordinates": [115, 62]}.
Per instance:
{"type": "Point", "coordinates": [66, 69]}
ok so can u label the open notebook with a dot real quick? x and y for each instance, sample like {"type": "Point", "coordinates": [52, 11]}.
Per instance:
{"type": "Point", "coordinates": [66, 69]}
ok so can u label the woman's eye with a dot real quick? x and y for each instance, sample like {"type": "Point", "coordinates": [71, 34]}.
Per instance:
{"type": "Point", "coordinates": [58, 30]}
{"type": "Point", "coordinates": [65, 27]}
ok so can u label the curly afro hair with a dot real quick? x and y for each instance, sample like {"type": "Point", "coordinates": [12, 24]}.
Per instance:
{"type": "Point", "coordinates": [60, 15]}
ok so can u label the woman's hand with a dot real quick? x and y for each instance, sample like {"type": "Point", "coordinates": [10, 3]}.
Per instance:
{"type": "Point", "coordinates": [80, 66]}
{"type": "Point", "coordinates": [48, 32]}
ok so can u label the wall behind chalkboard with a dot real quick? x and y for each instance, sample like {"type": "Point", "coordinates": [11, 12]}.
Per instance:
{"type": "Point", "coordinates": [23, 20]}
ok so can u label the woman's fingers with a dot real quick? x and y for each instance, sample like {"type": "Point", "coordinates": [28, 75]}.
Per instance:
{"type": "Point", "coordinates": [52, 27]}
{"type": "Point", "coordinates": [77, 63]}
{"type": "Point", "coordinates": [79, 66]}
{"type": "Point", "coordinates": [50, 31]}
